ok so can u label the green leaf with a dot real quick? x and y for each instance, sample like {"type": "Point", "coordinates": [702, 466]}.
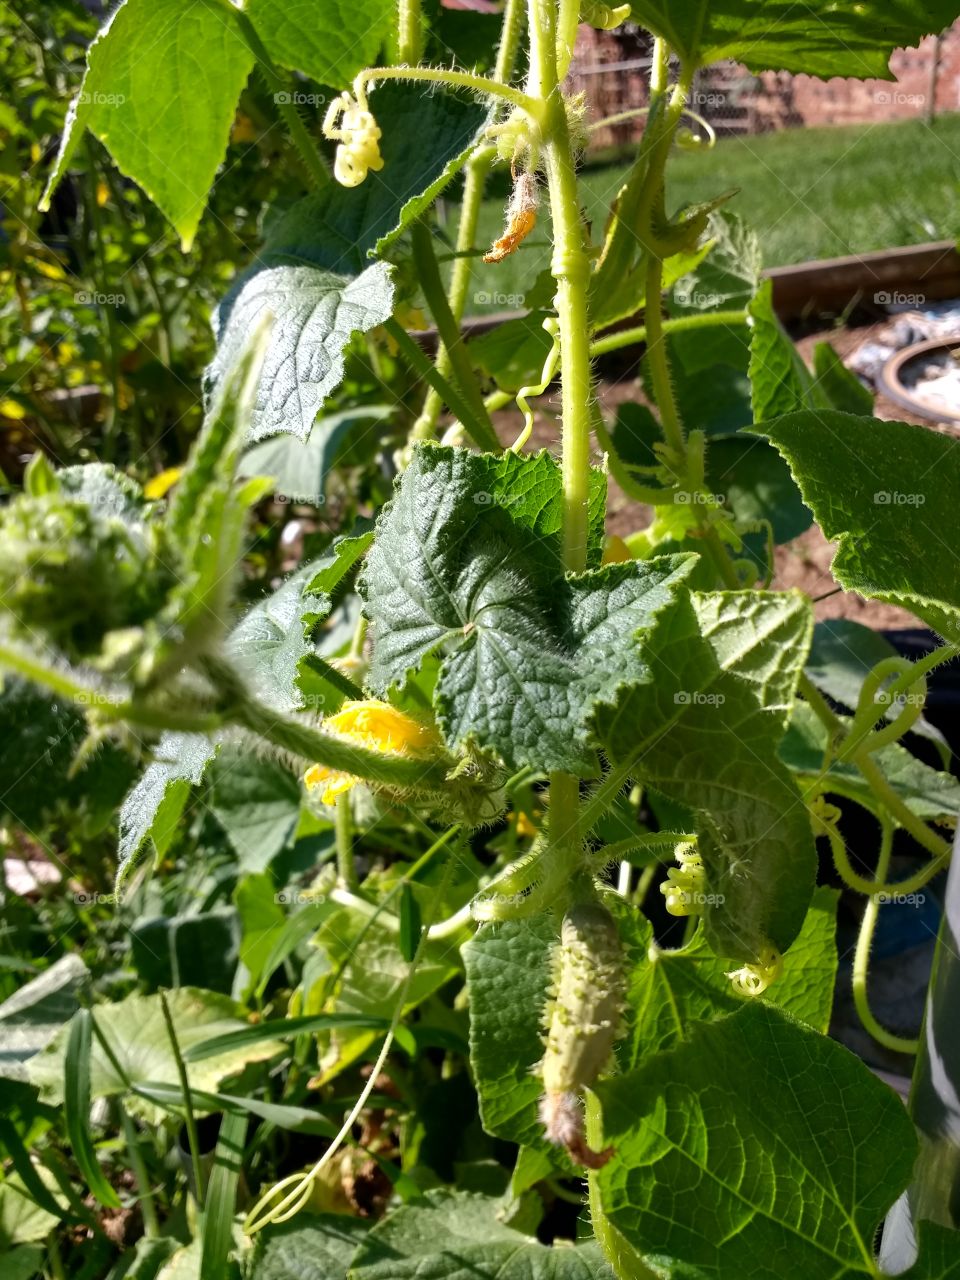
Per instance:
{"type": "Point", "coordinates": [528, 653]}
{"type": "Point", "coordinates": [186, 950]}
{"type": "Point", "coordinates": [411, 924]}
{"type": "Point", "coordinates": [506, 1030]}
{"type": "Point", "coordinates": [315, 311]}
{"type": "Point", "coordinates": [339, 228]}
{"type": "Point", "coordinates": [757, 485]}
{"type": "Point", "coordinates": [939, 1254]}
{"type": "Point", "coordinates": [160, 73]}
{"type": "Point", "coordinates": [704, 731]}
{"type": "Point", "coordinates": [668, 992]}
{"type": "Point", "coordinates": [886, 492]}
{"type": "Point", "coordinates": [268, 644]}
{"type": "Point", "coordinates": [21, 1219]}
{"type": "Point", "coordinates": [459, 1236]}
{"type": "Point", "coordinates": [780, 382]}
{"type": "Point", "coordinates": [754, 1141]}
{"type": "Point", "coordinates": [331, 44]}
{"type": "Point", "coordinates": [155, 806]}
{"type": "Point", "coordinates": [32, 1016]}
{"type": "Point", "coordinates": [301, 467]}
{"type": "Point", "coordinates": [932, 794]}
{"type": "Point", "coordinates": [820, 37]}
{"type": "Point", "coordinates": [135, 1030]}
{"type": "Point", "coordinates": [312, 1247]}
{"type": "Point", "coordinates": [76, 1108]}
{"type": "Point", "coordinates": [331, 569]}
{"type": "Point", "coordinates": [840, 387]}
{"type": "Point", "coordinates": [257, 802]}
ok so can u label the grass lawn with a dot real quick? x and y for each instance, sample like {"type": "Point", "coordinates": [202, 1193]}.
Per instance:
{"type": "Point", "coordinates": [808, 193]}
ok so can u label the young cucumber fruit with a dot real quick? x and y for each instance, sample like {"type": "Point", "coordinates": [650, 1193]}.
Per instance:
{"type": "Point", "coordinates": [583, 1018]}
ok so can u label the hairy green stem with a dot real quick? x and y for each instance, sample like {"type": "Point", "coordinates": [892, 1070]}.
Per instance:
{"type": "Point", "coordinates": [343, 834]}
{"type": "Point", "coordinates": [409, 32]}
{"type": "Point", "coordinates": [455, 79]}
{"type": "Point", "coordinates": [428, 276]}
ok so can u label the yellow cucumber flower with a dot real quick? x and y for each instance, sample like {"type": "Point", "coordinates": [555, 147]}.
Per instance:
{"type": "Point", "coordinates": [684, 886]}
{"type": "Point", "coordinates": [377, 726]}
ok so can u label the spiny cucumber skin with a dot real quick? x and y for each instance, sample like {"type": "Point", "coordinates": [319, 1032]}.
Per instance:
{"type": "Point", "coordinates": [584, 1014]}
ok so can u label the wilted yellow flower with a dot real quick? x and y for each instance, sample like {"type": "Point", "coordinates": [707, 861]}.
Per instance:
{"type": "Point", "coordinates": [377, 726]}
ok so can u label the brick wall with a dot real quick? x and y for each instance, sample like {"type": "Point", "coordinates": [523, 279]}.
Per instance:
{"type": "Point", "coordinates": [736, 101]}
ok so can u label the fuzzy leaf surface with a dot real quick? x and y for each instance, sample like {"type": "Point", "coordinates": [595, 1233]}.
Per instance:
{"type": "Point", "coordinates": [886, 492]}
{"type": "Point", "coordinates": [705, 732]}
{"type": "Point", "coordinates": [466, 562]}
{"type": "Point", "coordinates": [315, 311]}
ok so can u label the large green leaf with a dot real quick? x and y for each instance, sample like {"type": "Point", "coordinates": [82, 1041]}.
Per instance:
{"type": "Point", "coordinates": [757, 1148]}
{"type": "Point", "coordinates": [301, 467]}
{"type": "Point", "coordinates": [459, 1236]}
{"type": "Point", "coordinates": [315, 311]}
{"type": "Point", "coordinates": [32, 1016]}
{"type": "Point", "coordinates": [160, 92]}
{"type": "Point", "coordinates": [137, 1034]}
{"type": "Point", "coordinates": [269, 643]}
{"type": "Point", "coordinates": [257, 802]}
{"type": "Point", "coordinates": [330, 42]}
{"type": "Point", "coordinates": [506, 1035]}
{"type": "Point", "coordinates": [887, 493]}
{"type": "Point", "coordinates": [704, 731]}
{"type": "Point", "coordinates": [819, 36]}
{"type": "Point", "coordinates": [312, 1247]}
{"type": "Point", "coordinates": [339, 228]}
{"type": "Point", "coordinates": [528, 652]}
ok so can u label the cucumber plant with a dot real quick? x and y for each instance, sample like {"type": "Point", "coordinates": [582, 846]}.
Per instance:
{"type": "Point", "coordinates": [549, 712]}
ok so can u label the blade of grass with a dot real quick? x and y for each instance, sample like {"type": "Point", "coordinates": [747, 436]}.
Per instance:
{"type": "Point", "coordinates": [190, 1118]}
{"type": "Point", "coordinates": [278, 1028]}
{"type": "Point", "coordinates": [221, 1200]}
{"type": "Point", "coordinates": [76, 1108]}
